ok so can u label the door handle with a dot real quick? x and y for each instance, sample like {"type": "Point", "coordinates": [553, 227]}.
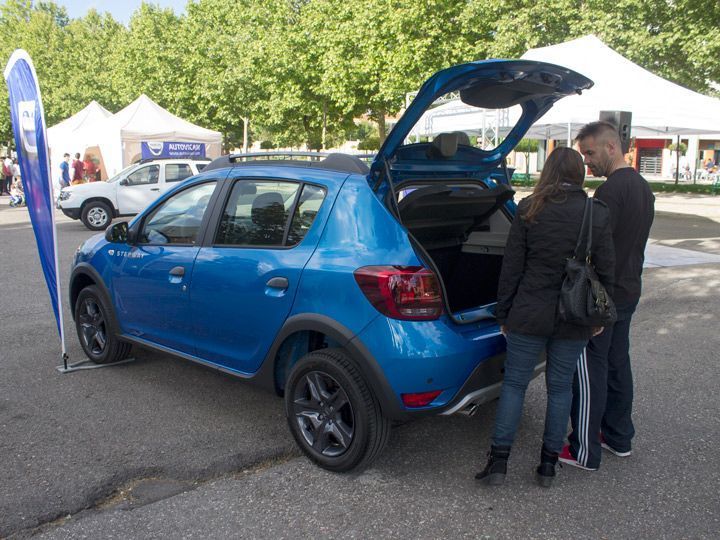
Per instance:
{"type": "Point", "coordinates": [155, 189]}
{"type": "Point", "coordinates": [278, 283]}
{"type": "Point", "coordinates": [178, 271]}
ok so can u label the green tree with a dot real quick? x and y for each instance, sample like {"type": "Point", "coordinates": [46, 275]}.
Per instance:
{"type": "Point", "coordinates": [372, 52]}
{"type": "Point", "coordinates": [526, 147]}
{"type": "Point", "coordinates": [38, 30]}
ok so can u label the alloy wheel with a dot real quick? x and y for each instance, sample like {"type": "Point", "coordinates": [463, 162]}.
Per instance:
{"type": "Point", "coordinates": [97, 217]}
{"type": "Point", "coordinates": [324, 414]}
{"type": "Point", "coordinates": [92, 327]}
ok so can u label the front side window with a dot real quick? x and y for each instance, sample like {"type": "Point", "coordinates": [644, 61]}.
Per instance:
{"type": "Point", "coordinates": [144, 176]}
{"type": "Point", "coordinates": [257, 213]}
{"type": "Point", "coordinates": [178, 219]}
{"type": "Point", "coordinates": [177, 172]}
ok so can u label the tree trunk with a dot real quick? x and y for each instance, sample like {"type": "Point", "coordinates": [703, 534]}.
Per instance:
{"type": "Point", "coordinates": [324, 126]}
{"type": "Point", "coordinates": [381, 124]}
{"type": "Point", "coordinates": [246, 121]}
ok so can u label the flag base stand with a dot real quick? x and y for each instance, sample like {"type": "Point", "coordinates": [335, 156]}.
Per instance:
{"type": "Point", "coordinates": [89, 364]}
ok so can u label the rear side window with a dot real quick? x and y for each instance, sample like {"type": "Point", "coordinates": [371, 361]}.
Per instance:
{"type": "Point", "coordinates": [144, 176]}
{"type": "Point", "coordinates": [257, 213]}
{"type": "Point", "coordinates": [176, 172]}
{"type": "Point", "coordinates": [308, 206]}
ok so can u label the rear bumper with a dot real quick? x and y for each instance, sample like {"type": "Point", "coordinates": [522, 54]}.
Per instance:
{"type": "Point", "coordinates": [477, 391]}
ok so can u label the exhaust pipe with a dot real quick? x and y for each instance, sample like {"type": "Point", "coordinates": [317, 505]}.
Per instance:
{"type": "Point", "coordinates": [470, 410]}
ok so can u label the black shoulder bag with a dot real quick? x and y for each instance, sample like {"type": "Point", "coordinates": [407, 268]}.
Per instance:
{"type": "Point", "coordinates": [583, 299]}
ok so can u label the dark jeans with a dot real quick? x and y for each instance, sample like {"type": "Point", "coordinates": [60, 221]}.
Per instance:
{"type": "Point", "coordinates": [603, 393]}
{"type": "Point", "coordinates": [523, 353]}
{"type": "Point", "coordinates": [7, 184]}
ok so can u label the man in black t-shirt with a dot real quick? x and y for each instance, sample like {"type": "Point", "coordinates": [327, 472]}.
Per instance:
{"type": "Point", "coordinates": [603, 386]}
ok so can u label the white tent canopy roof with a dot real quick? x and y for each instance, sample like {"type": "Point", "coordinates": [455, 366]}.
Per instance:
{"type": "Point", "coordinates": [93, 112]}
{"type": "Point", "coordinates": [659, 107]}
{"type": "Point", "coordinates": [119, 136]}
{"type": "Point", "coordinates": [143, 118]}
{"type": "Point", "coordinates": [70, 134]}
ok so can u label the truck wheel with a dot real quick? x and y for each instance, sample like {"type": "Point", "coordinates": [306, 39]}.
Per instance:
{"type": "Point", "coordinates": [95, 330]}
{"type": "Point", "coordinates": [96, 215]}
{"type": "Point", "coordinates": [332, 413]}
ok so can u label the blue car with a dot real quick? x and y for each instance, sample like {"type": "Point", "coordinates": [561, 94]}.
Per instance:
{"type": "Point", "coordinates": [362, 294]}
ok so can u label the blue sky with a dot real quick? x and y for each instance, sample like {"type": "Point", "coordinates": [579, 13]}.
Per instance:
{"type": "Point", "coordinates": [120, 10]}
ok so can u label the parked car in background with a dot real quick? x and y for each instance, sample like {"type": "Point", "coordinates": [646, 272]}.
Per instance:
{"type": "Point", "coordinates": [126, 194]}
{"type": "Point", "coordinates": [363, 295]}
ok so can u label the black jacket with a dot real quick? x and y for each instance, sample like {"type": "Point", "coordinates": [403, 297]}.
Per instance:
{"type": "Point", "coordinates": [632, 209]}
{"type": "Point", "coordinates": [534, 262]}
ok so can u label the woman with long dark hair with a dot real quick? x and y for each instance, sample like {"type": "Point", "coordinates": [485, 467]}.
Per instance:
{"type": "Point", "coordinates": [542, 237]}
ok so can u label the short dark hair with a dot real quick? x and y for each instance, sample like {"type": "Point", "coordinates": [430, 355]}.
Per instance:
{"type": "Point", "coordinates": [77, 155]}
{"type": "Point", "coordinates": [66, 154]}
{"type": "Point", "coordinates": [597, 130]}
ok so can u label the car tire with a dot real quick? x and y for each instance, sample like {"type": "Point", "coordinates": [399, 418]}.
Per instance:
{"type": "Point", "coordinates": [332, 413]}
{"type": "Point", "coordinates": [95, 328]}
{"type": "Point", "coordinates": [96, 215]}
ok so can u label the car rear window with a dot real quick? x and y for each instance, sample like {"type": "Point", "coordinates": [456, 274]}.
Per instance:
{"type": "Point", "coordinates": [176, 172]}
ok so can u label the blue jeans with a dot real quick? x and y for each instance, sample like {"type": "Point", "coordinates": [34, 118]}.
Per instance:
{"type": "Point", "coordinates": [523, 353]}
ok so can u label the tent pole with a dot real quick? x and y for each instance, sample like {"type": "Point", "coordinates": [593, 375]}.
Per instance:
{"type": "Point", "coordinates": [677, 160]}
{"type": "Point", "coordinates": [569, 138]}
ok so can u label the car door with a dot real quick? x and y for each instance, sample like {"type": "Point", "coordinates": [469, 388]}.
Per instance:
{"type": "Point", "coordinates": [244, 280]}
{"type": "Point", "coordinates": [151, 283]}
{"type": "Point", "coordinates": [139, 189]}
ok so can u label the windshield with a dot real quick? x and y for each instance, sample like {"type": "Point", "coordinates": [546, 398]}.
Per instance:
{"type": "Point", "coordinates": [122, 173]}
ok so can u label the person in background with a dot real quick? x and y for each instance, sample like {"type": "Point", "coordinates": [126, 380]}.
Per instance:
{"type": "Point", "coordinates": [89, 169]}
{"type": "Point", "coordinates": [7, 175]}
{"type": "Point", "coordinates": [16, 170]}
{"type": "Point", "coordinates": [603, 386]}
{"type": "Point", "coordinates": [77, 170]}
{"type": "Point", "coordinates": [17, 194]}
{"type": "Point", "coordinates": [542, 237]}
{"type": "Point", "coordinates": [65, 171]}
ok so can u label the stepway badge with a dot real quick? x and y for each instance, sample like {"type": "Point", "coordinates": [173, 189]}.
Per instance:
{"type": "Point", "coordinates": [171, 149]}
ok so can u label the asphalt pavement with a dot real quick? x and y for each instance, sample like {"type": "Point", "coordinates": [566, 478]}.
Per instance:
{"type": "Point", "coordinates": [162, 448]}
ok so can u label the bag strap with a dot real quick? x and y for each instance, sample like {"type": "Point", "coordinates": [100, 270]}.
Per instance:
{"type": "Point", "coordinates": [589, 208]}
{"type": "Point", "coordinates": [587, 217]}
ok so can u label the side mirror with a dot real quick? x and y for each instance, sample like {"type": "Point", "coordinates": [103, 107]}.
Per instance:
{"type": "Point", "coordinates": [124, 182]}
{"type": "Point", "coordinates": [117, 233]}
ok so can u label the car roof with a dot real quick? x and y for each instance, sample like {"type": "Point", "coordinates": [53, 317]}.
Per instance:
{"type": "Point", "coordinates": [314, 160]}
{"type": "Point", "coordinates": [157, 160]}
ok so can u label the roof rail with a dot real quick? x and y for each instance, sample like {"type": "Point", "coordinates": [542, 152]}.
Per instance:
{"type": "Point", "coordinates": [321, 160]}
{"type": "Point", "coordinates": [149, 160]}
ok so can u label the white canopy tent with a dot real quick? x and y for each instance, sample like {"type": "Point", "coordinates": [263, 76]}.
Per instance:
{"type": "Point", "coordinates": [70, 134]}
{"type": "Point", "coordinates": [659, 107]}
{"type": "Point", "coordinates": [119, 137]}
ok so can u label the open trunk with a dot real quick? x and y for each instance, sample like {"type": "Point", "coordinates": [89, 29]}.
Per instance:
{"type": "Point", "coordinates": [463, 229]}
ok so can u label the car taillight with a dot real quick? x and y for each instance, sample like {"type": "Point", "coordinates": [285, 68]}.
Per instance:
{"type": "Point", "coordinates": [410, 293]}
{"type": "Point", "coordinates": [420, 399]}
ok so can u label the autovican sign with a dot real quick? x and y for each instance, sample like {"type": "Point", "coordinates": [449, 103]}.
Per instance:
{"type": "Point", "coordinates": [169, 149]}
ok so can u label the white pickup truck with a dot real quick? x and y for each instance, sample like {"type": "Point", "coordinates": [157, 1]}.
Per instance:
{"type": "Point", "coordinates": [126, 194]}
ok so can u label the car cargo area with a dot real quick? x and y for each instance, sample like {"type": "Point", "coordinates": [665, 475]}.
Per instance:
{"type": "Point", "coordinates": [463, 228]}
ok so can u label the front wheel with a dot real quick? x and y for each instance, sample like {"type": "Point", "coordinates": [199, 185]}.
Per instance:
{"type": "Point", "coordinates": [332, 413]}
{"type": "Point", "coordinates": [96, 215]}
{"type": "Point", "coordinates": [94, 328]}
